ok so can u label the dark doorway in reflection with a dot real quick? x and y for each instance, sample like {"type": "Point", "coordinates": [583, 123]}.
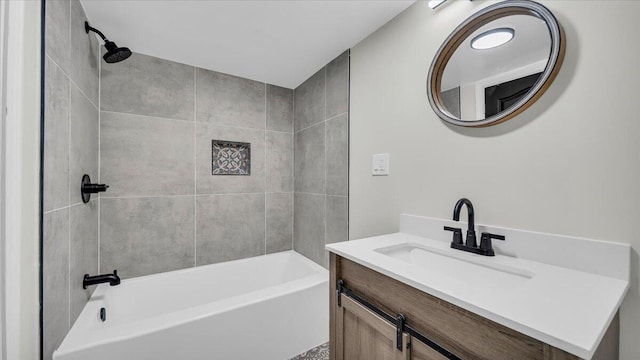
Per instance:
{"type": "Point", "coordinates": [500, 97]}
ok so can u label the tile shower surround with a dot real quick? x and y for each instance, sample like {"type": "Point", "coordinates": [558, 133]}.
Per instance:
{"type": "Point", "coordinates": [321, 200]}
{"type": "Point", "coordinates": [70, 227]}
{"type": "Point", "coordinates": [144, 126]}
{"type": "Point", "coordinates": [165, 210]}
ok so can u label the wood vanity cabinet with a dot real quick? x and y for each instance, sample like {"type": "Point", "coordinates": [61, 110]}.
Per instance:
{"type": "Point", "coordinates": [358, 333]}
{"type": "Point", "coordinates": [361, 334]}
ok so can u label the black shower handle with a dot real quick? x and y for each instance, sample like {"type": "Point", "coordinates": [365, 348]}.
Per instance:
{"type": "Point", "coordinates": [87, 188]}
{"type": "Point", "coordinates": [94, 188]}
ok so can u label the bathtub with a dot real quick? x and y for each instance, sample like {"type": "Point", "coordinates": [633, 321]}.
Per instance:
{"type": "Point", "coordinates": [268, 307]}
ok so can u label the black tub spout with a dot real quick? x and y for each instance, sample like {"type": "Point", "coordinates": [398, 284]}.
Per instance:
{"type": "Point", "coordinates": [112, 279]}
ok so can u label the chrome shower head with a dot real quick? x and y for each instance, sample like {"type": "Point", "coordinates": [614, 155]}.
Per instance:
{"type": "Point", "coordinates": [114, 53]}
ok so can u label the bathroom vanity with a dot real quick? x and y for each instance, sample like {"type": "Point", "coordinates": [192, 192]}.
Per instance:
{"type": "Point", "coordinates": [409, 295]}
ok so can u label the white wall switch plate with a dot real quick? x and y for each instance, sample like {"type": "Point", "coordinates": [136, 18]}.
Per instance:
{"type": "Point", "coordinates": [380, 165]}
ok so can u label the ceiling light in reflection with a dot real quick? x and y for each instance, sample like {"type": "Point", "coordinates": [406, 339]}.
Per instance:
{"type": "Point", "coordinates": [492, 38]}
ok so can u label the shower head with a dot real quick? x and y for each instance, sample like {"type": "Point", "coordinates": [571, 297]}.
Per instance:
{"type": "Point", "coordinates": [114, 53]}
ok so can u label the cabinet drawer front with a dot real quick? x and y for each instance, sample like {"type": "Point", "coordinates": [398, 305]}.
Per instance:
{"type": "Point", "coordinates": [363, 335]}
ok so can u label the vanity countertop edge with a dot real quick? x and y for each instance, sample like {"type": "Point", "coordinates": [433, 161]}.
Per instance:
{"type": "Point", "coordinates": [574, 320]}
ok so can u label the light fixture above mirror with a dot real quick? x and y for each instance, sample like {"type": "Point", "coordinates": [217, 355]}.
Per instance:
{"type": "Point", "coordinates": [496, 64]}
{"type": "Point", "coordinates": [435, 3]}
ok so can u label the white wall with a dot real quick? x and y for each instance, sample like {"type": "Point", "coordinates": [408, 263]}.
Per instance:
{"type": "Point", "coordinates": [20, 171]}
{"type": "Point", "coordinates": [568, 165]}
{"type": "Point", "coordinates": [4, 16]}
{"type": "Point", "coordinates": [29, 261]}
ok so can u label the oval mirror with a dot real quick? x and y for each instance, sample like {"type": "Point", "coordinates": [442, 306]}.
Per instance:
{"type": "Point", "coordinates": [496, 64]}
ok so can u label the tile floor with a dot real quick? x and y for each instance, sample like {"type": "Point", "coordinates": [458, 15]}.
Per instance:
{"type": "Point", "coordinates": [318, 353]}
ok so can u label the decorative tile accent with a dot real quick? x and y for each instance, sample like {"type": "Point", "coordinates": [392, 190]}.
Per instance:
{"type": "Point", "coordinates": [317, 353]}
{"type": "Point", "coordinates": [208, 184]}
{"type": "Point", "coordinates": [230, 158]}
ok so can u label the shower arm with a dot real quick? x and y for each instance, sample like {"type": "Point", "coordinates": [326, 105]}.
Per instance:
{"type": "Point", "coordinates": [114, 53]}
{"type": "Point", "coordinates": [88, 28]}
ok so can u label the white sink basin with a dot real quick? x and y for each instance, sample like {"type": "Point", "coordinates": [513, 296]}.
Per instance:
{"type": "Point", "coordinates": [562, 291]}
{"type": "Point", "coordinates": [473, 272]}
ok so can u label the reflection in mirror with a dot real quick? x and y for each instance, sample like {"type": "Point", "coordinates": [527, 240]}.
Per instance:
{"type": "Point", "coordinates": [479, 83]}
{"type": "Point", "coordinates": [496, 63]}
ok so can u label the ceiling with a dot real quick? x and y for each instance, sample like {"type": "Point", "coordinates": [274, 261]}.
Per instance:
{"type": "Point", "coordinates": [530, 45]}
{"type": "Point", "coordinates": [281, 42]}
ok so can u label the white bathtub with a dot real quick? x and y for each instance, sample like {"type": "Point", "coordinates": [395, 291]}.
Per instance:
{"type": "Point", "coordinates": [268, 307]}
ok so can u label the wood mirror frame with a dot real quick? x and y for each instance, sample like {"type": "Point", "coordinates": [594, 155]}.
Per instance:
{"type": "Point", "coordinates": [466, 29]}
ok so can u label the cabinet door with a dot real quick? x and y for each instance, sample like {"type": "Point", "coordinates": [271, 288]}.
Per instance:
{"type": "Point", "coordinates": [420, 351]}
{"type": "Point", "coordinates": [363, 335]}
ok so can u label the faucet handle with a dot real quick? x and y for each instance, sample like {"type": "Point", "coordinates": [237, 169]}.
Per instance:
{"type": "Point", "coordinates": [485, 242]}
{"type": "Point", "coordinates": [457, 234]}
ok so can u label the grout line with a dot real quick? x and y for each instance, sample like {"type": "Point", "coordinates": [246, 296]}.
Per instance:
{"type": "Point", "coordinates": [196, 195]}
{"type": "Point", "coordinates": [147, 116]}
{"type": "Point", "coordinates": [266, 168]}
{"type": "Point", "coordinates": [69, 183]}
{"type": "Point", "coordinates": [293, 110]}
{"type": "Point", "coordinates": [98, 261]}
{"type": "Point", "coordinates": [195, 121]}
{"type": "Point", "coordinates": [145, 196]}
{"type": "Point", "coordinates": [308, 193]}
{"type": "Point", "coordinates": [323, 121]}
{"type": "Point", "coordinates": [195, 169]}
{"type": "Point", "coordinates": [348, 139]}
{"type": "Point", "coordinates": [277, 131]}
{"type": "Point", "coordinates": [325, 157]}
{"type": "Point", "coordinates": [99, 149]}
{"type": "Point", "coordinates": [238, 127]}
{"type": "Point", "coordinates": [293, 170]}
{"type": "Point", "coordinates": [78, 204]}
{"type": "Point", "coordinates": [337, 116]}
{"type": "Point", "coordinates": [56, 209]}
{"type": "Point", "coordinates": [95, 199]}
{"type": "Point", "coordinates": [83, 94]}
{"type": "Point", "coordinates": [69, 113]}
{"type": "Point", "coordinates": [68, 76]}
{"type": "Point", "coordinates": [71, 80]}
{"type": "Point", "coordinates": [309, 127]}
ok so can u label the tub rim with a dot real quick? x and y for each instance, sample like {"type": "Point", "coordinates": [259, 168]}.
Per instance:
{"type": "Point", "coordinates": [191, 314]}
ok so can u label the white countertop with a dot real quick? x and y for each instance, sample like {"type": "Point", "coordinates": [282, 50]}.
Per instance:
{"type": "Point", "coordinates": [566, 308]}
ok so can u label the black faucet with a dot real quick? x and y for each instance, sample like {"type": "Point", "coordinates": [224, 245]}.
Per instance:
{"type": "Point", "coordinates": [471, 227]}
{"type": "Point", "coordinates": [470, 243]}
{"type": "Point", "coordinates": [112, 279]}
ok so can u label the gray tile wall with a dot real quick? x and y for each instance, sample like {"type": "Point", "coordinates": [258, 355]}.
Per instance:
{"type": "Point", "coordinates": [165, 210]}
{"type": "Point", "coordinates": [144, 126]}
{"type": "Point", "coordinates": [71, 150]}
{"type": "Point", "coordinates": [321, 151]}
